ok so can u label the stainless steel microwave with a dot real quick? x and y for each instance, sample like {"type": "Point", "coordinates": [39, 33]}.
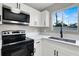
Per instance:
{"type": "Point", "coordinates": [14, 18]}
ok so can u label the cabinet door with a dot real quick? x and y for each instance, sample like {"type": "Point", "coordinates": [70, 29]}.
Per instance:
{"type": "Point", "coordinates": [42, 19]}
{"type": "Point", "coordinates": [63, 51]}
{"type": "Point", "coordinates": [0, 13]}
{"type": "Point", "coordinates": [47, 48]}
{"type": "Point", "coordinates": [37, 47]}
{"type": "Point", "coordinates": [12, 5]}
{"type": "Point", "coordinates": [35, 18]}
{"type": "Point", "coordinates": [45, 18]}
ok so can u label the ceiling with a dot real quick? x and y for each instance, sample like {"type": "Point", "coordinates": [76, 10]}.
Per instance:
{"type": "Point", "coordinates": [39, 6]}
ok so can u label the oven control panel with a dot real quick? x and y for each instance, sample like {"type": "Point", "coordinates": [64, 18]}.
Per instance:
{"type": "Point", "coordinates": [13, 32]}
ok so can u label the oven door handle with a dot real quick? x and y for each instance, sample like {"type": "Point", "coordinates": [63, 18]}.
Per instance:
{"type": "Point", "coordinates": [13, 43]}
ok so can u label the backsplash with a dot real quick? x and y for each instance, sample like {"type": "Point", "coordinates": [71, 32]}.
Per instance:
{"type": "Point", "coordinates": [17, 27]}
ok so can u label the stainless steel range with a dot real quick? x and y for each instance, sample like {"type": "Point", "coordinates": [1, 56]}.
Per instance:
{"type": "Point", "coordinates": [15, 43]}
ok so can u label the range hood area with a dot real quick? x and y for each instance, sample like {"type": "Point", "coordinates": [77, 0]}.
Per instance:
{"type": "Point", "coordinates": [9, 17]}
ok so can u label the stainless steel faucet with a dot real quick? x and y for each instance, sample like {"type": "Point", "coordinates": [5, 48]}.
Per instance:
{"type": "Point", "coordinates": [61, 32]}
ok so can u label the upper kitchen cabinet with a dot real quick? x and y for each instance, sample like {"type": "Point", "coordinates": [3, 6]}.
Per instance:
{"type": "Point", "coordinates": [11, 5]}
{"type": "Point", "coordinates": [44, 18]}
{"type": "Point", "coordinates": [35, 18]}
{"type": "Point", "coordinates": [0, 13]}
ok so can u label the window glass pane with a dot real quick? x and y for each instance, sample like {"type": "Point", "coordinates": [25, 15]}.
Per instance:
{"type": "Point", "coordinates": [70, 19]}
{"type": "Point", "coordinates": [56, 21]}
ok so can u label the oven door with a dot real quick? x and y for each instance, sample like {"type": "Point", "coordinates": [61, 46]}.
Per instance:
{"type": "Point", "coordinates": [20, 49]}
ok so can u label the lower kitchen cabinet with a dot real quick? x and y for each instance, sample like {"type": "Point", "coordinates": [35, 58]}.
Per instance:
{"type": "Point", "coordinates": [47, 49]}
{"type": "Point", "coordinates": [68, 51]}
{"type": "Point", "coordinates": [37, 48]}
{"type": "Point", "coordinates": [53, 48]}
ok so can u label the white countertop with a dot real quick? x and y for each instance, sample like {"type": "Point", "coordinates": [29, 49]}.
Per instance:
{"type": "Point", "coordinates": [36, 37]}
{"type": "Point", "coordinates": [75, 44]}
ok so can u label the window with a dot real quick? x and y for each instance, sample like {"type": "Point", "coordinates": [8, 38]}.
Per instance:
{"type": "Point", "coordinates": [70, 18]}
{"type": "Point", "coordinates": [67, 18]}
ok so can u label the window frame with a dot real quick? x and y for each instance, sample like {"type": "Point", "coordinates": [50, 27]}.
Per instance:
{"type": "Point", "coordinates": [62, 9]}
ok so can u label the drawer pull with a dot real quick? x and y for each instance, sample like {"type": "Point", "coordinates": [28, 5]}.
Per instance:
{"type": "Point", "coordinates": [54, 52]}
{"type": "Point", "coordinates": [38, 42]}
{"type": "Point", "coordinates": [57, 53]}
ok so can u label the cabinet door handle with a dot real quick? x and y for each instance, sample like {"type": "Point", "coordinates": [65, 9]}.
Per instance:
{"type": "Point", "coordinates": [38, 42]}
{"type": "Point", "coordinates": [17, 5]}
{"type": "Point", "coordinates": [54, 52]}
{"type": "Point", "coordinates": [57, 53]}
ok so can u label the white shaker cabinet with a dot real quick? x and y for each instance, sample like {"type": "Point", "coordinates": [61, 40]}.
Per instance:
{"type": "Point", "coordinates": [47, 48]}
{"type": "Point", "coordinates": [45, 18]}
{"type": "Point", "coordinates": [37, 47]}
{"type": "Point", "coordinates": [68, 50]}
{"type": "Point", "coordinates": [39, 19]}
{"type": "Point", "coordinates": [53, 48]}
{"type": "Point", "coordinates": [35, 18]}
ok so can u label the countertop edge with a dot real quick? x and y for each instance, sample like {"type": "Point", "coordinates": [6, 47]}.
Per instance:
{"type": "Point", "coordinates": [62, 42]}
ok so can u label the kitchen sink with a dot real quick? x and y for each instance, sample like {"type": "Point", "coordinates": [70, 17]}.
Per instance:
{"type": "Point", "coordinates": [62, 39]}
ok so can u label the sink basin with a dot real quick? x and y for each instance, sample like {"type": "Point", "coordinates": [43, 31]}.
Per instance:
{"type": "Point", "coordinates": [62, 39]}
